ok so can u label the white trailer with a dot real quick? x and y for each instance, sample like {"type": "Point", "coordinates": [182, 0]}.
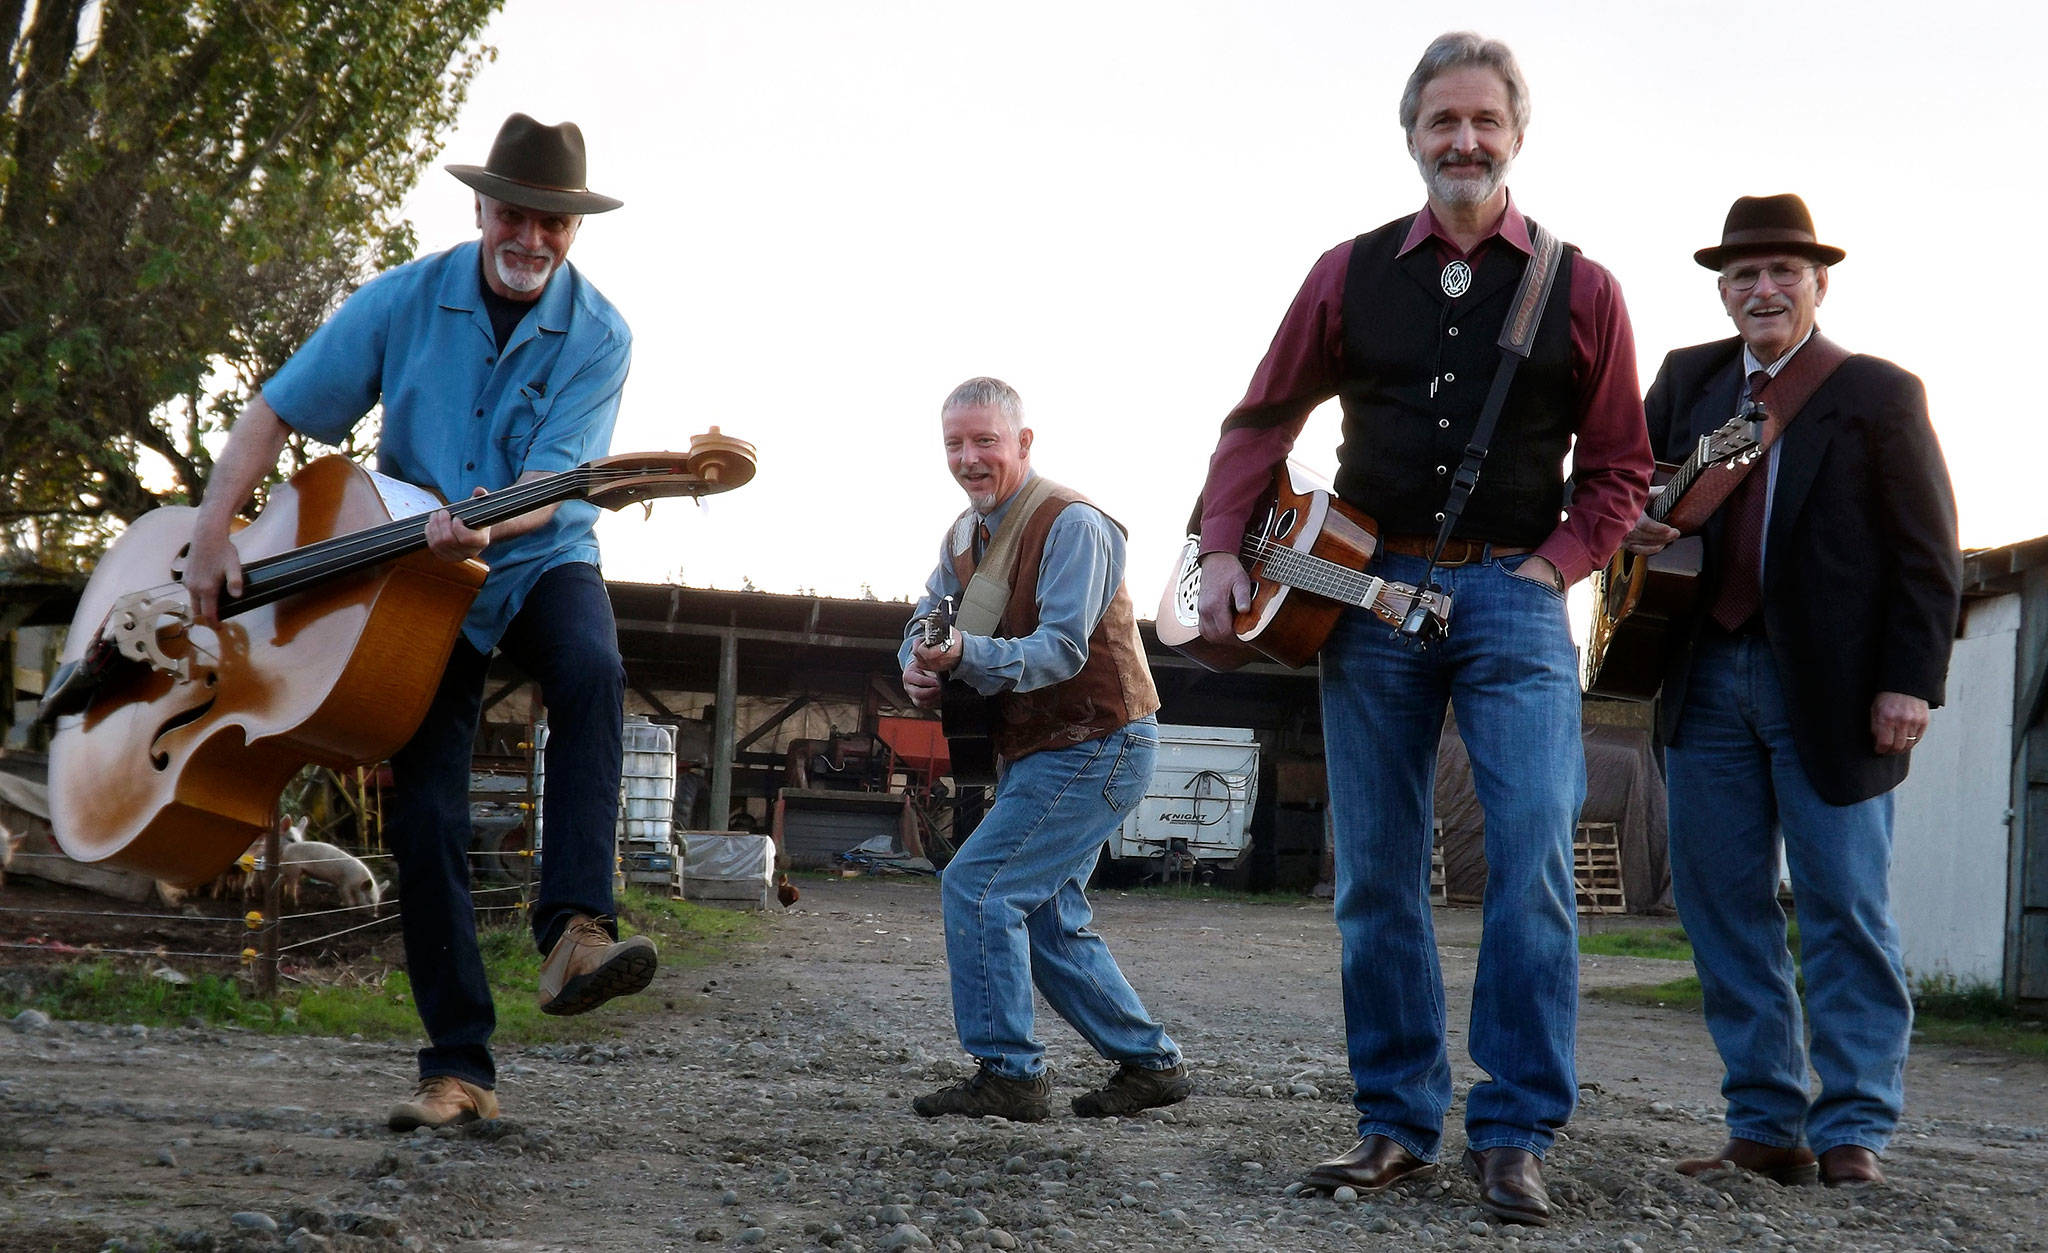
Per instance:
{"type": "Point", "coordinates": [1197, 811]}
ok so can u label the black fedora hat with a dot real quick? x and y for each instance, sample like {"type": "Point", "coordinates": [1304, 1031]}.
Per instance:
{"type": "Point", "coordinates": [1768, 224]}
{"type": "Point", "coordinates": [536, 167]}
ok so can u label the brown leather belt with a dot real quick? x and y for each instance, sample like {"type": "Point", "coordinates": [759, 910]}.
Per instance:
{"type": "Point", "coordinates": [1458, 552]}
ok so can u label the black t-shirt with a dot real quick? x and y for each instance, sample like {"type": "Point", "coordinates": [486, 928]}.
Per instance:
{"type": "Point", "coordinates": [504, 314]}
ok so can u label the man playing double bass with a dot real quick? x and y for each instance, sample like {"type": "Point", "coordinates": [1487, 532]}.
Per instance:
{"type": "Point", "coordinates": [495, 362]}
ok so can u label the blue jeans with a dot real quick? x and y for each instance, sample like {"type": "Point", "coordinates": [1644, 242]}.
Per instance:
{"type": "Point", "coordinates": [1016, 914]}
{"type": "Point", "coordinates": [564, 637]}
{"type": "Point", "coordinates": [1509, 669]}
{"type": "Point", "coordinates": [1737, 789]}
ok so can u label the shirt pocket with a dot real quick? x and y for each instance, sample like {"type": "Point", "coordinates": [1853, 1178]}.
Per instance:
{"type": "Point", "coordinates": [1132, 771]}
{"type": "Point", "coordinates": [524, 415]}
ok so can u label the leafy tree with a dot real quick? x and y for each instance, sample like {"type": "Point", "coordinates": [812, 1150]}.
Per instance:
{"type": "Point", "coordinates": [187, 187]}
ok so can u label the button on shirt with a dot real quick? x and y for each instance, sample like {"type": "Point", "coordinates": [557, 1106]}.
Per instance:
{"type": "Point", "coordinates": [1078, 575]}
{"type": "Point", "coordinates": [459, 414]}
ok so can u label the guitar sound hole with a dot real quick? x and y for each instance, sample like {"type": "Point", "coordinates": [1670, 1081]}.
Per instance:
{"type": "Point", "coordinates": [1283, 526]}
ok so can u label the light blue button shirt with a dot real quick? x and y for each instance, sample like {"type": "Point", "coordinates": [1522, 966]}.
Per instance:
{"type": "Point", "coordinates": [459, 415]}
{"type": "Point", "coordinates": [1078, 575]}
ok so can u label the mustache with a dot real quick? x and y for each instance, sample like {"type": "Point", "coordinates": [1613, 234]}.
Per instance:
{"type": "Point", "coordinates": [1453, 161]}
{"type": "Point", "coordinates": [514, 250]}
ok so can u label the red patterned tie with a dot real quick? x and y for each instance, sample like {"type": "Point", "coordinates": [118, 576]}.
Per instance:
{"type": "Point", "coordinates": [1742, 591]}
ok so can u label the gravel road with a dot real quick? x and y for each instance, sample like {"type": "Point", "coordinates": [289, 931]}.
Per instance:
{"type": "Point", "coordinates": [765, 1105]}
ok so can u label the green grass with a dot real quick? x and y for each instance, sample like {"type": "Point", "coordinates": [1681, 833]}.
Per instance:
{"type": "Point", "coordinates": [378, 1004]}
{"type": "Point", "coordinates": [1668, 943]}
{"type": "Point", "coordinates": [1677, 994]}
{"type": "Point", "coordinates": [1944, 1012]}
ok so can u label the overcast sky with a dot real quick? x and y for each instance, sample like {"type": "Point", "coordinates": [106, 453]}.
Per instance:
{"type": "Point", "coordinates": [837, 211]}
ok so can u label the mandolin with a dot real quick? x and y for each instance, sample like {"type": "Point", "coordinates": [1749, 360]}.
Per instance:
{"type": "Point", "coordinates": [1306, 552]}
{"type": "Point", "coordinates": [173, 739]}
{"type": "Point", "coordinates": [1637, 598]}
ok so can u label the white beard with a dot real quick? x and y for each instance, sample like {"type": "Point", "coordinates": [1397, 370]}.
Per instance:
{"type": "Point", "coordinates": [1464, 191]}
{"type": "Point", "coordinates": [518, 278]}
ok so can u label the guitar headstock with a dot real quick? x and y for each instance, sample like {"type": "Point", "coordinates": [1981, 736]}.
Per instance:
{"type": "Point", "coordinates": [1736, 441]}
{"type": "Point", "coordinates": [938, 624]}
{"type": "Point", "coordinates": [715, 463]}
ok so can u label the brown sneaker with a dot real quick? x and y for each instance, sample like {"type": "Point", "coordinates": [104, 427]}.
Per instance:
{"type": "Point", "coordinates": [1133, 1088]}
{"type": "Point", "coordinates": [986, 1092]}
{"type": "Point", "coordinates": [587, 967]}
{"type": "Point", "coordinates": [443, 1101]}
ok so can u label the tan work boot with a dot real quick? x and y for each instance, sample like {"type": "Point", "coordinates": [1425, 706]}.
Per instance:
{"type": "Point", "coordinates": [587, 967]}
{"type": "Point", "coordinates": [443, 1101]}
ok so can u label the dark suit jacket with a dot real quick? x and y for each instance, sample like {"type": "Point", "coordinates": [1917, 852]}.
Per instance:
{"type": "Point", "coordinates": [1862, 576]}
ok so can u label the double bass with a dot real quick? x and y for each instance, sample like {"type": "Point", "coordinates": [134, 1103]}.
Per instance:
{"type": "Point", "coordinates": [172, 739]}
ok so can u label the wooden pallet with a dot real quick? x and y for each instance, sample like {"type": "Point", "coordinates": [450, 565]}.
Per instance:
{"type": "Point", "coordinates": [1439, 885]}
{"type": "Point", "coordinates": [1596, 867]}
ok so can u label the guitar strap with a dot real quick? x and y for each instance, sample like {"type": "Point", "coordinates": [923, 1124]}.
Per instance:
{"type": "Point", "coordinates": [1782, 398]}
{"type": "Point", "coordinates": [1517, 339]}
{"type": "Point", "coordinates": [988, 593]}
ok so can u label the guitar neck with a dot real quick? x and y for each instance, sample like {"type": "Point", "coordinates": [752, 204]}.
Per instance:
{"type": "Point", "coordinates": [1679, 484]}
{"type": "Point", "coordinates": [274, 578]}
{"type": "Point", "coordinates": [1307, 573]}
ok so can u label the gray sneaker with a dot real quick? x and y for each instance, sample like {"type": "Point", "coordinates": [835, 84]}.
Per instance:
{"type": "Point", "coordinates": [1133, 1088]}
{"type": "Point", "coordinates": [986, 1092]}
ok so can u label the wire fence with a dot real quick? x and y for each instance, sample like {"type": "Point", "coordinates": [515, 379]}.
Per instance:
{"type": "Point", "coordinates": [264, 928]}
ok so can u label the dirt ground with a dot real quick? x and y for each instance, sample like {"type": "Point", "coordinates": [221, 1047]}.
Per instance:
{"type": "Point", "coordinates": [764, 1104]}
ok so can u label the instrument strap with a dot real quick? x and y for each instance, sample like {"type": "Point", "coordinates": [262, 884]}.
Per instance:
{"type": "Point", "coordinates": [1517, 339]}
{"type": "Point", "coordinates": [988, 593]}
{"type": "Point", "coordinates": [1786, 394]}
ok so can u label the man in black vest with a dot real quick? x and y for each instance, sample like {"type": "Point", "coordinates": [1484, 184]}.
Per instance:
{"type": "Point", "coordinates": [1794, 698]}
{"type": "Point", "coordinates": [1402, 325]}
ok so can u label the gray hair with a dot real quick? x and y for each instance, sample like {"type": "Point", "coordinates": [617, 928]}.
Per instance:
{"type": "Point", "coordinates": [1454, 50]}
{"type": "Point", "coordinates": [990, 392]}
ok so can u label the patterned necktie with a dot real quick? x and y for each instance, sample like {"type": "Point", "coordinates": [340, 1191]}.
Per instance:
{"type": "Point", "coordinates": [1742, 591]}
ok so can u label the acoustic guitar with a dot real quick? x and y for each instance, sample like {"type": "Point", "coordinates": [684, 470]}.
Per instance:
{"type": "Point", "coordinates": [172, 739]}
{"type": "Point", "coordinates": [1637, 599]}
{"type": "Point", "coordinates": [1306, 552]}
{"type": "Point", "coordinates": [967, 718]}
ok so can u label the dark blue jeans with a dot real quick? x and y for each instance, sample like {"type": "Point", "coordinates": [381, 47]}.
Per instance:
{"type": "Point", "coordinates": [564, 637]}
{"type": "Point", "coordinates": [1509, 671]}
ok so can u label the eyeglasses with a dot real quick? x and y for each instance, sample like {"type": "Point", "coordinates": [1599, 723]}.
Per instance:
{"type": "Point", "coordinates": [1783, 274]}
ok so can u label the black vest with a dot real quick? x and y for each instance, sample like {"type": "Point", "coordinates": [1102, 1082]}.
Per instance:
{"type": "Point", "coordinates": [1405, 339]}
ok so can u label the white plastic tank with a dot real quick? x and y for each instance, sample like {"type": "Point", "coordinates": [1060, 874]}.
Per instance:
{"type": "Point", "coordinates": [647, 784]}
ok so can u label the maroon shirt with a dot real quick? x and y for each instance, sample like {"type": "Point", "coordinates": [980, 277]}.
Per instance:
{"type": "Point", "coordinates": [1611, 458]}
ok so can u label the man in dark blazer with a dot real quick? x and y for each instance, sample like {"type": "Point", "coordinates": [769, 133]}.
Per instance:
{"type": "Point", "coordinates": [1794, 697]}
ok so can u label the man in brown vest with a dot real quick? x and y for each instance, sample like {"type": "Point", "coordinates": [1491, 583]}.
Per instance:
{"type": "Point", "coordinates": [1075, 739]}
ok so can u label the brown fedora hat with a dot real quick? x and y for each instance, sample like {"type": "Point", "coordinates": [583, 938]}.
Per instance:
{"type": "Point", "coordinates": [1768, 224]}
{"type": "Point", "coordinates": [536, 167]}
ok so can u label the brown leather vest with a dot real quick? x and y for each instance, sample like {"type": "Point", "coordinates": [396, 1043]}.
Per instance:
{"type": "Point", "coordinates": [1113, 687]}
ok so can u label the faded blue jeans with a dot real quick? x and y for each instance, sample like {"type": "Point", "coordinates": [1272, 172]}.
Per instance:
{"type": "Point", "coordinates": [1737, 792]}
{"type": "Point", "coordinates": [1509, 670]}
{"type": "Point", "coordinates": [1016, 914]}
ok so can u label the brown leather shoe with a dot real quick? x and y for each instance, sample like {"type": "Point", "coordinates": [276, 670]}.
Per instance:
{"type": "Point", "coordinates": [587, 967]}
{"type": "Point", "coordinates": [1374, 1164]}
{"type": "Point", "coordinates": [1849, 1166]}
{"type": "Point", "coordinates": [1510, 1184]}
{"type": "Point", "coordinates": [1791, 1167]}
{"type": "Point", "coordinates": [443, 1101]}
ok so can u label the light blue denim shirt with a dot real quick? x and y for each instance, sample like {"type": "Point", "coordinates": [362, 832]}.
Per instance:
{"type": "Point", "coordinates": [1078, 575]}
{"type": "Point", "coordinates": [457, 415]}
